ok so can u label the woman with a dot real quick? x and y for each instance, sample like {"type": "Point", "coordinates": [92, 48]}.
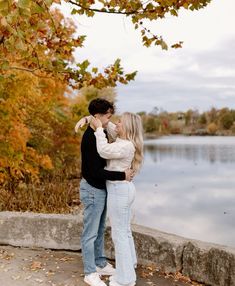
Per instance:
{"type": "Point", "coordinates": [125, 152]}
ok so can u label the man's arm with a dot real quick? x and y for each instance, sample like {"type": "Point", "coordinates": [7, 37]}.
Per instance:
{"type": "Point", "coordinates": [114, 175]}
{"type": "Point", "coordinates": [109, 175]}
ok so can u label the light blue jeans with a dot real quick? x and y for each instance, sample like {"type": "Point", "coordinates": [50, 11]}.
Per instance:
{"type": "Point", "coordinates": [92, 240]}
{"type": "Point", "coordinates": [121, 196]}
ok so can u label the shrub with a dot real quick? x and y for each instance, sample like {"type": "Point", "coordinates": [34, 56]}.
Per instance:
{"type": "Point", "coordinates": [212, 128]}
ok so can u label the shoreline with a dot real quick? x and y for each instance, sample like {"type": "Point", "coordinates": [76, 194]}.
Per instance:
{"type": "Point", "coordinates": [157, 136]}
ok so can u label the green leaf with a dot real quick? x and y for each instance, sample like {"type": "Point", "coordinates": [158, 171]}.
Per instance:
{"type": "Point", "coordinates": [174, 12]}
{"type": "Point", "coordinates": [83, 66]}
{"type": "Point", "coordinates": [89, 13]}
{"type": "Point", "coordinates": [164, 45]}
{"type": "Point", "coordinates": [74, 11]}
{"type": "Point", "coordinates": [36, 9]}
{"type": "Point", "coordinates": [94, 70]}
{"type": "Point", "coordinates": [24, 4]}
{"type": "Point", "coordinates": [131, 76]}
{"type": "Point", "coordinates": [11, 41]}
{"type": "Point", "coordinates": [150, 6]}
{"type": "Point", "coordinates": [4, 65]}
{"type": "Point", "coordinates": [117, 63]}
{"type": "Point", "coordinates": [24, 7]}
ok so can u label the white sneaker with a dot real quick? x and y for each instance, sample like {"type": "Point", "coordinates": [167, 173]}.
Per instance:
{"type": "Point", "coordinates": [107, 270]}
{"type": "Point", "coordinates": [114, 283]}
{"type": "Point", "coordinates": [93, 279]}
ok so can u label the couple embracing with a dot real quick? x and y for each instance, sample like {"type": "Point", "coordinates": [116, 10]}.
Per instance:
{"type": "Point", "coordinates": [106, 186]}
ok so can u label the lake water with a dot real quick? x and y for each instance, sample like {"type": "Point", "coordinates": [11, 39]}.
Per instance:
{"type": "Point", "coordinates": [187, 187]}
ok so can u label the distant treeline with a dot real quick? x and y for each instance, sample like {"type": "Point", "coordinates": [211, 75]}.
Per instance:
{"type": "Point", "coordinates": [192, 122]}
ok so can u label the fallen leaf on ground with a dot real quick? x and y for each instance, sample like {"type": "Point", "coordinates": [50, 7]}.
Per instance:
{"type": "Point", "coordinates": [39, 280]}
{"type": "Point", "coordinates": [66, 259]}
{"type": "Point", "coordinates": [15, 277]}
{"type": "Point", "coordinates": [50, 273]}
{"type": "Point", "coordinates": [36, 265]}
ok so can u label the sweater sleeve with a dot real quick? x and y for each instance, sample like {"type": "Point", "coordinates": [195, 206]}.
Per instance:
{"type": "Point", "coordinates": [109, 175]}
{"type": "Point", "coordinates": [111, 130]}
{"type": "Point", "coordinates": [107, 150]}
{"type": "Point", "coordinates": [92, 168]}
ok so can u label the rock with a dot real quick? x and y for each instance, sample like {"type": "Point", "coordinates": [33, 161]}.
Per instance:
{"type": "Point", "coordinates": [210, 264]}
{"type": "Point", "coordinates": [53, 231]}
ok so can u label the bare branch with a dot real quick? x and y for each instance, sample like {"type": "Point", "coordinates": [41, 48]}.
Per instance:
{"type": "Point", "coordinates": [23, 69]}
{"type": "Point", "coordinates": [106, 11]}
{"type": "Point", "coordinates": [52, 20]}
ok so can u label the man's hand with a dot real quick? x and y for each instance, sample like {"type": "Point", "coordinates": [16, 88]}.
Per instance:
{"type": "Point", "coordinates": [129, 174]}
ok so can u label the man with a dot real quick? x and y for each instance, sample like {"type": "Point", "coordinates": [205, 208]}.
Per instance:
{"type": "Point", "coordinates": [93, 195]}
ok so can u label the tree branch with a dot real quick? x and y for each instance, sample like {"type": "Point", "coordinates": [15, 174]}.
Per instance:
{"type": "Point", "coordinates": [105, 11]}
{"type": "Point", "coordinates": [23, 69]}
{"type": "Point", "coordinates": [38, 69]}
{"type": "Point", "coordinates": [52, 20]}
{"type": "Point", "coordinates": [2, 40]}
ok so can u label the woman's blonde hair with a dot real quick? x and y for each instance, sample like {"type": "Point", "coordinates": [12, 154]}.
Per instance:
{"type": "Point", "coordinates": [133, 131]}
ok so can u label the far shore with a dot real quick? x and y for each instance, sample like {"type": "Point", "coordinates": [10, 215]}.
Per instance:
{"type": "Point", "coordinates": [158, 135]}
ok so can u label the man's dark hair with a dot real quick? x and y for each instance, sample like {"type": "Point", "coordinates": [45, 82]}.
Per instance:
{"type": "Point", "coordinates": [100, 105]}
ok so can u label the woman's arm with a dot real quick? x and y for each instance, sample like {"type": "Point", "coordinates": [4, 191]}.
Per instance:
{"type": "Point", "coordinates": [111, 130]}
{"type": "Point", "coordinates": [82, 122]}
{"type": "Point", "coordinates": [107, 150]}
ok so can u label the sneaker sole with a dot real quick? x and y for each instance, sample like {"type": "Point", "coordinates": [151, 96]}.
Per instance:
{"type": "Point", "coordinates": [127, 284]}
{"type": "Point", "coordinates": [106, 273]}
{"type": "Point", "coordinates": [89, 283]}
{"type": "Point", "coordinates": [86, 281]}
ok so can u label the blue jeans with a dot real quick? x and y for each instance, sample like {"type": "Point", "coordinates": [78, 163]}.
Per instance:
{"type": "Point", "coordinates": [121, 196]}
{"type": "Point", "coordinates": [92, 241]}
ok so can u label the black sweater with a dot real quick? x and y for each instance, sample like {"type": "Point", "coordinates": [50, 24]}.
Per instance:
{"type": "Point", "coordinates": [93, 165]}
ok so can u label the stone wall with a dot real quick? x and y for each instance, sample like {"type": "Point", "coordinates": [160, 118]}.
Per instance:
{"type": "Point", "coordinates": [208, 263]}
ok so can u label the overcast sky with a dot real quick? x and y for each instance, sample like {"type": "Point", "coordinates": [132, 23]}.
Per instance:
{"type": "Point", "coordinates": [200, 75]}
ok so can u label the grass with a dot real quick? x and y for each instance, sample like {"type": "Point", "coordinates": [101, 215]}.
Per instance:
{"type": "Point", "coordinates": [50, 197]}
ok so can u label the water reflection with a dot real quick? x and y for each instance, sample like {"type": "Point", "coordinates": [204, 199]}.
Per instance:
{"type": "Point", "coordinates": [187, 186]}
{"type": "Point", "coordinates": [193, 149]}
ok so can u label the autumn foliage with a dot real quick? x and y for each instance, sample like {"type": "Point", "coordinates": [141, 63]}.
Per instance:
{"type": "Point", "coordinates": [38, 108]}
{"type": "Point", "coordinates": [41, 85]}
